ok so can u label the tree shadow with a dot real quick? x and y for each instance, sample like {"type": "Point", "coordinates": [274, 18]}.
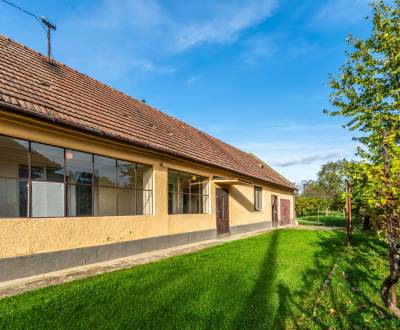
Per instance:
{"type": "Point", "coordinates": [348, 303]}
{"type": "Point", "coordinates": [318, 303]}
{"type": "Point", "coordinates": [258, 310]}
{"type": "Point", "coordinates": [238, 196]}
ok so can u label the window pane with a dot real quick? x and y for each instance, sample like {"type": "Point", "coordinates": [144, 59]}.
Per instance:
{"type": "Point", "coordinates": [184, 187]}
{"type": "Point", "coordinates": [126, 201]}
{"type": "Point", "coordinates": [13, 198]}
{"type": "Point", "coordinates": [204, 186]}
{"type": "Point", "coordinates": [105, 201]}
{"type": "Point", "coordinates": [257, 198]}
{"type": "Point", "coordinates": [173, 181]}
{"type": "Point", "coordinates": [195, 204]}
{"type": "Point", "coordinates": [104, 171]}
{"type": "Point", "coordinates": [184, 203]}
{"type": "Point", "coordinates": [144, 202]}
{"type": "Point", "coordinates": [79, 200]}
{"type": "Point", "coordinates": [173, 203]}
{"type": "Point", "coordinates": [204, 204]}
{"type": "Point", "coordinates": [144, 177]}
{"type": "Point", "coordinates": [47, 199]}
{"type": "Point", "coordinates": [184, 183]}
{"type": "Point", "coordinates": [195, 188]}
{"type": "Point", "coordinates": [79, 167]}
{"type": "Point", "coordinates": [14, 152]}
{"type": "Point", "coordinates": [47, 162]}
{"type": "Point", "coordinates": [126, 174]}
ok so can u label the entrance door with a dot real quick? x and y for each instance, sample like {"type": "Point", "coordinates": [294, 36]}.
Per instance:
{"type": "Point", "coordinates": [274, 204]}
{"type": "Point", "coordinates": [222, 211]}
{"type": "Point", "coordinates": [285, 212]}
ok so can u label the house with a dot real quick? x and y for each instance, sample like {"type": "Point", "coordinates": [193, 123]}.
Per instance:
{"type": "Point", "coordinates": [88, 173]}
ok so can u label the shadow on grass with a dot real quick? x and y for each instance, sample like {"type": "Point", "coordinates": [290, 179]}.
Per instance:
{"type": "Point", "coordinates": [258, 309]}
{"type": "Point", "coordinates": [242, 284]}
{"type": "Point", "coordinates": [347, 297]}
{"type": "Point", "coordinates": [351, 298]}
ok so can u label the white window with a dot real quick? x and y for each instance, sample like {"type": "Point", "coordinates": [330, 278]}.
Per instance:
{"type": "Point", "coordinates": [257, 198]}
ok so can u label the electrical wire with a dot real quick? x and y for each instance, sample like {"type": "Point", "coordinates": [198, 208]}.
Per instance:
{"type": "Point", "coordinates": [26, 12]}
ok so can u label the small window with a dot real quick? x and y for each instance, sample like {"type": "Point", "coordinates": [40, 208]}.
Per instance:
{"type": "Point", "coordinates": [257, 198]}
{"type": "Point", "coordinates": [14, 180]}
{"type": "Point", "coordinates": [187, 193]}
{"type": "Point", "coordinates": [47, 174]}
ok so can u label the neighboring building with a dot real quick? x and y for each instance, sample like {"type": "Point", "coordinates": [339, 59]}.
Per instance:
{"type": "Point", "coordinates": [88, 173]}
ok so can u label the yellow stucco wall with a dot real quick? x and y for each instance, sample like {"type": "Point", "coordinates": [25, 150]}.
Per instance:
{"type": "Point", "coordinates": [25, 236]}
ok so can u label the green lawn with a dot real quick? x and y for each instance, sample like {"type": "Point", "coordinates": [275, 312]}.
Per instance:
{"type": "Point", "coordinates": [331, 220]}
{"type": "Point", "coordinates": [271, 281]}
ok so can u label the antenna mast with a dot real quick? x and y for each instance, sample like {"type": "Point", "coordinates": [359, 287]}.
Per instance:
{"type": "Point", "coordinates": [49, 27]}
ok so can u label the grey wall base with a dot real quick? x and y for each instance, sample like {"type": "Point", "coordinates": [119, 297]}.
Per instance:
{"type": "Point", "coordinates": [24, 266]}
{"type": "Point", "coordinates": [250, 227]}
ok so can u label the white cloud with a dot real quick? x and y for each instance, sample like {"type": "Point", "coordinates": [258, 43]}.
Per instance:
{"type": "Point", "coordinates": [342, 12]}
{"type": "Point", "coordinates": [144, 34]}
{"type": "Point", "coordinates": [149, 66]}
{"type": "Point", "coordinates": [307, 159]}
{"type": "Point", "coordinates": [226, 25]}
{"type": "Point", "coordinates": [259, 48]}
{"type": "Point", "coordinates": [122, 14]}
{"type": "Point", "coordinates": [177, 31]}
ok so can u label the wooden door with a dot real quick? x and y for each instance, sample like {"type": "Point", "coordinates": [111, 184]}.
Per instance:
{"type": "Point", "coordinates": [274, 204]}
{"type": "Point", "coordinates": [285, 212]}
{"type": "Point", "coordinates": [222, 211]}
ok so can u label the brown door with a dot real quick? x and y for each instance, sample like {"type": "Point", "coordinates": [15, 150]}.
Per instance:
{"type": "Point", "coordinates": [274, 204]}
{"type": "Point", "coordinates": [285, 212]}
{"type": "Point", "coordinates": [222, 211]}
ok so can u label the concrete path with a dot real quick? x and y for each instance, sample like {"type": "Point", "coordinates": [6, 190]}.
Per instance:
{"type": "Point", "coordinates": [13, 287]}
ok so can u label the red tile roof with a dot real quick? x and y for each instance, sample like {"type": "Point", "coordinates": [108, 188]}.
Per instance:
{"type": "Point", "coordinates": [58, 93]}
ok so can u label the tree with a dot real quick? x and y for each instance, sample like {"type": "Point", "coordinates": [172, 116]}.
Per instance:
{"type": "Point", "coordinates": [328, 185]}
{"type": "Point", "coordinates": [368, 94]}
{"type": "Point", "coordinates": [331, 180]}
{"type": "Point", "coordinates": [306, 205]}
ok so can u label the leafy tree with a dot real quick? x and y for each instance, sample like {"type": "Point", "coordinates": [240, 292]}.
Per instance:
{"type": "Point", "coordinates": [311, 189]}
{"type": "Point", "coordinates": [306, 205]}
{"type": "Point", "coordinates": [331, 179]}
{"type": "Point", "coordinates": [329, 185]}
{"type": "Point", "coordinates": [368, 94]}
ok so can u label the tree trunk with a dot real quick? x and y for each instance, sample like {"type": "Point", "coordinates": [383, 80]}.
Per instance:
{"type": "Point", "coordinates": [389, 287]}
{"type": "Point", "coordinates": [348, 214]}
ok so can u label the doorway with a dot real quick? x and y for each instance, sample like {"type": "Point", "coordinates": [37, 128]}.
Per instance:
{"type": "Point", "coordinates": [274, 204]}
{"type": "Point", "coordinates": [285, 212]}
{"type": "Point", "coordinates": [222, 211]}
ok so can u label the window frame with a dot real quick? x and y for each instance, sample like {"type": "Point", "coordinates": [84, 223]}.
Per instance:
{"type": "Point", "coordinates": [66, 183]}
{"type": "Point", "coordinates": [189, 194]}
{"type": "Point", "coordinates": [258, 205]}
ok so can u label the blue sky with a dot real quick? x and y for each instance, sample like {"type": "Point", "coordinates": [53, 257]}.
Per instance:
{"type": "Point", "coordinates": [252, 73]}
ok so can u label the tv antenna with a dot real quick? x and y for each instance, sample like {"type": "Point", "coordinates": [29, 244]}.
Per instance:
{"type": "Point", "coordinates": [44, 23]}
{"type": "Point", "coordinates": [49, 27]}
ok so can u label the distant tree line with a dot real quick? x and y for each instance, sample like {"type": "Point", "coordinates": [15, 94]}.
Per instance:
{"type": "Point", "coordinates": [324, 194]}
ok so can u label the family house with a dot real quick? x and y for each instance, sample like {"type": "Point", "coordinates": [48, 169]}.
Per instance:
{"type": "Point", "coordinates": [88, 173]}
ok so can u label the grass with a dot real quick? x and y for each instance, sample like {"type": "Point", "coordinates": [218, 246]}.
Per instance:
{"type": "Point", "coordinates": [330, 220]}
{"type": "Point", "coordinates": [271, 281]}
